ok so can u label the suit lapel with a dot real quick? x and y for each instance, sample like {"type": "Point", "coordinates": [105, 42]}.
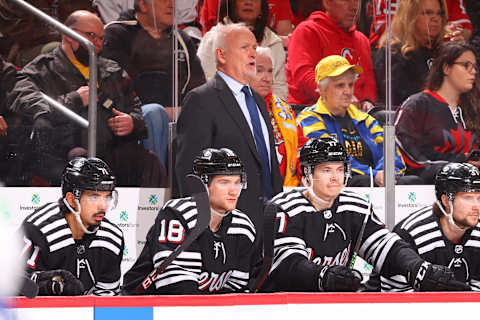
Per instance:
{"type": "Point", "coordinates": [233, 109]}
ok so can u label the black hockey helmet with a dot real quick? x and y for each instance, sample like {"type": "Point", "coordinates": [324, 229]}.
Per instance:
{"type": "Point", "coordinates": [212, 162]}
{"type": "Point", "coordinates": [87, 174]}
{"type": "Point", "coordinates": [321, 150]}
{"type": "Point", "coordinates": [456, 177]}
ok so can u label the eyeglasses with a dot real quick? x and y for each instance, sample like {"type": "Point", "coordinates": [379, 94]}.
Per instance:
{"type": "Point", "coordinates": [91, 35]}
{"type": "Point", "coordinates": [468, 66]}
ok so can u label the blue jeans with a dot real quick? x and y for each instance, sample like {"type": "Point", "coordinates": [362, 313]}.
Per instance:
{"type": "Point", "coordinates": [156, 119]}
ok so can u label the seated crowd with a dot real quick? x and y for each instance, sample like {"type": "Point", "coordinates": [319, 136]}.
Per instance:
{"type": "Point", "coordinates": [260, 101]}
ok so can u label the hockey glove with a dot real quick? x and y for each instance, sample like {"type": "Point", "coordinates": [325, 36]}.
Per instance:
{"type": "Point", "coordinates": [339, 278]}
{"type": "Point", "coordinates": [58, 283]}
{"type": "Point", "coordinates": [433, 277]}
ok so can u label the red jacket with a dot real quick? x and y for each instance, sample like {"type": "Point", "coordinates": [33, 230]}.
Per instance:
{"type": "Point", "coordinates": [316, 38]}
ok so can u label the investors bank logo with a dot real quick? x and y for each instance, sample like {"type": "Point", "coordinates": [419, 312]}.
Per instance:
{"type": "Point", "coordinates": [153, 199]}
{"type": "Point", "coordinates": [35, 198]}
{"type": "Point", "coordinates": [124, 216]}
{"type": "Point", "coordinates": [412, 196]}
{"type": "Point", "coordinates": [125, 251]}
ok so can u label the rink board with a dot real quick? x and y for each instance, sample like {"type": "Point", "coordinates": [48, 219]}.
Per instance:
{"type": "Point", "coordinates": [276, 306]}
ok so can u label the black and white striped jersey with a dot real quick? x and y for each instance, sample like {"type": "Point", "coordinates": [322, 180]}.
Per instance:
{"type": "Point", "coordinates": [422, 230]}
{"type": "Point", "coordinates": [95, 259]}
{"type": "Point", "coordinates": [216, 262]}
{"type": "Point", "coordinates": [307, 239]}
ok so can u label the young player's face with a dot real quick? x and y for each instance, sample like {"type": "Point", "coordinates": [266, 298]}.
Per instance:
{"type": "Point", "coordinates": [463, 73]}
{"type": "Point", "coordinates": [466, 209]}
{"type": "Point", "coordinates": [339, 93]}
{"type": "Point", "coordinates": [224, 191]}
{"type": "Point", "coordinates": [263, 81]}
{"type": "Point", "coordinates": [94, 205]}
{"type": "Point", "coordinates": [238, 58]}
{"type": "Point", "coordinates": [328, 179]}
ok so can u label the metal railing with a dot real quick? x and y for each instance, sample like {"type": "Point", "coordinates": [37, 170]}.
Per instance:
{"type": "Point", "coordinates": [92, 86]}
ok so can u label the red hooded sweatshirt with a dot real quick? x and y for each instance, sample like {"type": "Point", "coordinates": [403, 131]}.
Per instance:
{"type": "Point", "coordinates": [319, 37]}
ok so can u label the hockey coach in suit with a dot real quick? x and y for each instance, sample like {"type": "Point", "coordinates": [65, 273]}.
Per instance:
{"type": "Point", "coordinates": [225, 112]}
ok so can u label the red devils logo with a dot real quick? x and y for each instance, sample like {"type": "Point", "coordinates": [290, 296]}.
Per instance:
{"type": "Point", "coordinates": [351, 55]}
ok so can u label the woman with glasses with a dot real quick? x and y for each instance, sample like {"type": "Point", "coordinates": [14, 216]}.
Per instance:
{"type": "Point", "coordinates": [417, 31]}
{"type": "Point", "coordinates": [438, 125]}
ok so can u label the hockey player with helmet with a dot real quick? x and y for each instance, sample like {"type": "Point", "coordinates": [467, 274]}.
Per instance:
{"type": "Point", "coordinates": [70, 247]}
{"type": "Point", "coordinates": [448, 232]}
{"type": "Point", "coordinates": [317, 229]}
{"type": "Point", "coordinates": [219, 260]}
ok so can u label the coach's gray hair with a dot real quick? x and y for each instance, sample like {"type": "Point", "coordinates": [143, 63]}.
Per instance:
{"type": "Point", "coordinates": [223, 30]}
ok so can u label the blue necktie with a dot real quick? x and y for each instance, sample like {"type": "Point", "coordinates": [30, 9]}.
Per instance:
{"type": "Point", "coordinates": [260, 141]}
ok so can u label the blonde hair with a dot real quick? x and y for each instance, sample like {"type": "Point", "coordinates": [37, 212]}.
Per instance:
{"type": "Point", "coordinates": [404, 26]}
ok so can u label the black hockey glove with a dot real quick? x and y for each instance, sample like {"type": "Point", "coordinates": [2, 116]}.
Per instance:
{"type": "Point", "coordinates": [433, 277]}
{"type": "Point", "coordinates": [58, 283]}
{"type": "Point", "coordinates": [339, 278]}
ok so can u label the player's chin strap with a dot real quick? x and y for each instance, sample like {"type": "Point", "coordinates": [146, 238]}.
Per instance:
{"type": "Point", "coordinates": [309, 183]}
{"type": "Point", "coordinates": [77, 215]}
{"type": "Point", "coordinates": [449, 215]}
{"type": "Point", "coordinates": [215, 212]}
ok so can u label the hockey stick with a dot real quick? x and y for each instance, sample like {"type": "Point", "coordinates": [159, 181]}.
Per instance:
{"type": "Point", "coordinates": [200, 196]}
{"type": "Point", "coordinates": [364, 224]}
{"type": "Point", "coordinates": [269, 217]}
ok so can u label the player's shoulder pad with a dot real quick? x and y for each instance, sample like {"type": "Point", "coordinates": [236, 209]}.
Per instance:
{"type": "Point", "coordinates": [44, 215]}
{"type": "Point", "coordinates": [185, 208]}
{"type": "Point", "coordinates": [350, 201]}
{"type": "Point", "coordinates": [110, 237]}
{"type": "Point", "coordinates": [416, 219]}
{"type": "Point", "coordinates": [293, 202]}
{"type": "Point", "coordinates": [242, 225]}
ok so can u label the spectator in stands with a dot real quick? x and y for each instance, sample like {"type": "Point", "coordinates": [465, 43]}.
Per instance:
{"type": "Point", "coordinates": [417, 31]}
{"type": "Point", "coordinates": [225, 112]}
{"type": "Point", "coordinates": [430, 125]}
{"type": "Point", "coordinates": [459, 20]}
{"type": "Point", "coordinates": [254, 14]}
{"type": "Point", "coordinates": [63, 75]}
{"type": "Point", "coordinates": [287, 135]}
{"type": "Point", "coordinates": [335, 116]}
{"type": "Point", "coordinates": [23, 35]}
{"type": "Point", "coordinates": [332, 32]}
{"type": "Point", "coordinates": [279, 15]}
{"type": "Point", "coordinates": [140, 41]}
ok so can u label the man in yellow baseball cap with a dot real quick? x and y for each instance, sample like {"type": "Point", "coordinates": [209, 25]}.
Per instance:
{"type": "Point", "coordinates": [335, 115]}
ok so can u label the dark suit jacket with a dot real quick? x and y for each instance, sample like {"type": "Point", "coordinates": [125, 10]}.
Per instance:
{"type": "Point", "coordinates": [211, 117]}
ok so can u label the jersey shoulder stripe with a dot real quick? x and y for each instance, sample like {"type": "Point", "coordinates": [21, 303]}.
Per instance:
{"type": "Point", "coordinates": [238, 217]}
{"type": "Point", "coordinates": [293, 202]}
{"type": "Point", "coordinates": [40, 211]}
{"type": "Point", "coordinates": [186, 208]}
{"type": "Point", "coordinates": [111, 227]}
{"type": "Point", "coordinates": [415, 216]}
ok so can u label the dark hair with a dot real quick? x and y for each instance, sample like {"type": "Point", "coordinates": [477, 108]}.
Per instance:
{"type": "Point", "coordinates": [470, 101]}
{"type": "Point", "coordinates": [260, 23]}
{"type": "Point", "coordinates": [446, 56]}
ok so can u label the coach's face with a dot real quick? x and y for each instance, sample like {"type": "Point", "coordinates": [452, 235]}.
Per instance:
{"type": "Point", "coordinates": [238, 58]}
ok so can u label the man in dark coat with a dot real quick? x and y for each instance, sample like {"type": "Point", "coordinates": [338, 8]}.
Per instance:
{"type": "Point", "coordinates": [219, 114]}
